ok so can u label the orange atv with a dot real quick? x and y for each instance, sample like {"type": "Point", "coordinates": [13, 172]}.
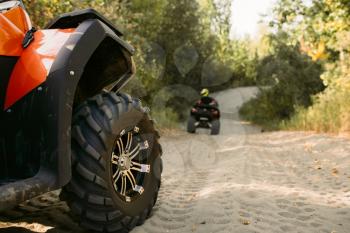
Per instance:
{"type": "Point", "coordinates": [64, 123]}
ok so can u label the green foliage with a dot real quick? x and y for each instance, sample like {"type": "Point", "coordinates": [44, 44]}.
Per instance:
{"type": "Point", "coordinates": [182, 29]}
{"type": "Point", "coordinates": [330, 113]}
{"type": "Point", "coordinates": [323, 27]}
{"type": "Point", "coordinates": [41, 11]}
{"type": "Point", "coordinates": [242, 62]}
{"type": "Point", "coordinates": [320, 30]}
{"type": "Point", "coordinates": [182, 42]}
{"type": "Point", "coordinates": [289, 79]}
{"type": "Point", "coordinates": [190, 47]}
{"type": "Point", "coordinates": [166, 118]}
{"type": "Point", "coordinates": [331, 109]}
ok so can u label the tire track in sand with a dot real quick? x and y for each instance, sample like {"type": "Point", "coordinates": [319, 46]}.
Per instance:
{"type": "Point", "coordinates": [237, 182]}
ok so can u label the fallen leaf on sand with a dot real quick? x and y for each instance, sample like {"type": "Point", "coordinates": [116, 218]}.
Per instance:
{"type": "Point", "coordinates": [317, 164]}
{"type": "Point", "coordinates": [335, 171]}
{"type": "Point", "coordinates": [194, 227]}
{"type": "Point", "coordinates": [245, 221]}
{"type": "Point", "coordinates": [192, 197]}
{"type": "Point", "coordinates": [308, 147]}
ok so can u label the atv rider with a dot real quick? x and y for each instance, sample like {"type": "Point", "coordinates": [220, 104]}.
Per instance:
{"type": "Point", "coordinates": [206, 101]}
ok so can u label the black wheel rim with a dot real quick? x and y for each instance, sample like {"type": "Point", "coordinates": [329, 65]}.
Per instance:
{"type": "Point", "coordinates": [129, 161]}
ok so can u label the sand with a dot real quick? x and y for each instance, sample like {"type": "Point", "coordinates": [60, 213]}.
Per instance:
{"type": "Point", "coordinates": [240, 181]}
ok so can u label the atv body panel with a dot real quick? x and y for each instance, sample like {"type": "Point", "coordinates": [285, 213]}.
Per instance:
{"type": "Point", "coordinates": [34, 63]}
{"type": "Point", "coordinates": [14, 24]}
{"type": "Point", "coordinates": [204, 115]}
{"type": "Point", "coordinates": [39, 87]}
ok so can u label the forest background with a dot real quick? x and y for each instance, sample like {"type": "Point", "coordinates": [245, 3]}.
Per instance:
{"type": "Point", "coordinates": [300, 60]}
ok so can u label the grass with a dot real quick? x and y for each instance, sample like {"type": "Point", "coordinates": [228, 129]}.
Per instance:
{"type": "Point", "coordinates": [330, 113]}
{"type": "Point", "coordinates": [165, 118]}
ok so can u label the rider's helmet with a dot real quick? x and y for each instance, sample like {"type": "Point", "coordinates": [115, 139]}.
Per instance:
{"type": "Point", "coordinates": [205, 92]}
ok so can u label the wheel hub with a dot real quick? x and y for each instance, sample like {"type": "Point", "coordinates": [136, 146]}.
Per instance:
{"type": "Point", "coordinates": [129, 168]}
{"type": "Point", "coordinates": [124, 162]}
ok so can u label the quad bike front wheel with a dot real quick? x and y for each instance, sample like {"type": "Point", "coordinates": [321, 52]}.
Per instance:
{"type": "Point", "coordinates": [215, 127]}
{"type": "Point", "coordinates": [191, 124]}
{"type": "Point", "coordinates": [117, 167]}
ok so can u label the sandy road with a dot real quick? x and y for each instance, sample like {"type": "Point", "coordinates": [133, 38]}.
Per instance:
{"type": "Point", "coordinates": [247, 181]}
{"type": "Point", "coordinates": [240, 181]}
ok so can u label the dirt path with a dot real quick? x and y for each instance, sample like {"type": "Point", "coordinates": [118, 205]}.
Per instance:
{"type": "Point", "coordinates": [240, 181]}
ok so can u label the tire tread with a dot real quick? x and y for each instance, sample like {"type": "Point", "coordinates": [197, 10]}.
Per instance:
{"type": "Point", "coordinates": [87, 193]}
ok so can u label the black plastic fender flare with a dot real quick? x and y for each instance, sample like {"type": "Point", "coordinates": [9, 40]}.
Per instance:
{"type": "Point", "coordinates": [63, 80]}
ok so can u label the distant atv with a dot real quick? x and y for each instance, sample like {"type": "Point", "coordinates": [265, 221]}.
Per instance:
{"type": "Point", "coordinates": [205, 114]}
{"type": "Point", "coordinates": [64, 123]}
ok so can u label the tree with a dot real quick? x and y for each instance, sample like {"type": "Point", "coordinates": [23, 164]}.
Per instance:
{"type": "Point", "coordinates": [181, 42]}
{"type": "Point", "coordinates": [41, 11]}
{"type": "Point", "coordinates": [289, 78]}
{"type": "Point", "coordinates": [322, 28]}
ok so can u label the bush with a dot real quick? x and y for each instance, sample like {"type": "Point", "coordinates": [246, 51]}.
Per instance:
{"type": "Point", "coordinates": [292, 78]}
{"type": "Point", "coordinates": [331, 109]}
{"type": "Point", "coordinates": [165, 118]}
